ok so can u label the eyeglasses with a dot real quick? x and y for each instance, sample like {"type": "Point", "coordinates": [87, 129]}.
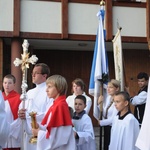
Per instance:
{"type": "Point", "coordinates": [35, 73]}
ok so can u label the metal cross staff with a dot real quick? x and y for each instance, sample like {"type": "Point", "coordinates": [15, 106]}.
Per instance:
{"type": "Point", "coordinates": [24, 62]}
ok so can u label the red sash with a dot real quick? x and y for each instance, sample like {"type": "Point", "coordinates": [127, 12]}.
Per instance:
{"type": "Point", "coordinates": [60, 115]}
{"type": "Point", "coordinates": [14, 100]}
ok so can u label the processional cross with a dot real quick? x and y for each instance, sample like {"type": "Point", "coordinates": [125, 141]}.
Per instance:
{"type": "Point", "coordinates": [24, 62]}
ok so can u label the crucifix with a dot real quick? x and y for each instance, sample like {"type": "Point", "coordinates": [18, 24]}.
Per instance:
{"type": "Point", "coordinates": [24, 62]}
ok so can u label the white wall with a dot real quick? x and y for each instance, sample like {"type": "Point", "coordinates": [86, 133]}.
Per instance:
{"type": "Point", "coordinates": [82, 18]}
{"type": "Point", "coordinates": [6, 15]}
{"type": "Point", "coordinates": [132, 21]}
{"type": "Point", "coordinates": [46, 17]}
{"type": "Point", "coordinates": [38, 16]}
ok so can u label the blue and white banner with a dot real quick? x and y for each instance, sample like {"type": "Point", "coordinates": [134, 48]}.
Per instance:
{"type": "Point", "coordinates": [99, 65]}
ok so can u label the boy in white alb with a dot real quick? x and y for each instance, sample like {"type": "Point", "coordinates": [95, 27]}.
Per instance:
{"type": "Point", "coordinates": [12, 101]}
{"type": "Point", "coordinates": [83, 128]}
{"type": "Point", "coordinates": [55, 131]}
{"type": "Point", "coordinates": [125, 127]}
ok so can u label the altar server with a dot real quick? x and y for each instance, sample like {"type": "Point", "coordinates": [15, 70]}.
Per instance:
{"type": "Point", "coordinates": [12, 101]}
{"type": "Point", "coordinates": [125, 127]}
{"type": "Point", "coordinates": [55, 132]}
{"type": "Point", "coordinates": [37, 101]}
{"type": "Point", "coordinates": [143, 142]}
{"type": "Point", "coordinates": [83, 128]}
{"type": "Point", "coordinates": [78, 88]}
{"type": "Point", "coordinates": [4, 126]}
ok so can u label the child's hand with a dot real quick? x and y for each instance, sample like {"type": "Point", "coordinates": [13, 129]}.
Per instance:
{"type": "Point", "coordinates": [75, 133]}
{"type": "Point", "coordinates": [100, 99]}
{"type": "Point", "coordinates": [21, 114]}
{"type": "Point", "coordinates": [36, 126]}
{"type": "Point", "coordinates": [35, 131]}
{"type": "Point", "coordinates": [99, 122]}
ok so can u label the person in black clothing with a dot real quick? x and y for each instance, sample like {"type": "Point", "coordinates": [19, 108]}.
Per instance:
{"type": "Point", "coordinates": [139, 100]}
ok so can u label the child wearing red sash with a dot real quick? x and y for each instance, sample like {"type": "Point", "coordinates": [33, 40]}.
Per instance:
{"type": "Point", "coordinates": [55, 131]}
{"type": "Point", "coordinates": [12, 101]}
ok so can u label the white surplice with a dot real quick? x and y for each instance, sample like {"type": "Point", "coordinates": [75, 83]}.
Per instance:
{"type": "Point", "coordinates": [112, 112]}
{"type": "Point", "coordinates": [12, 141]}
{"type": "Point", "coordinates": [37, 101]}
{"type": "Point", "coordinates": [143, 142]}
{"type": "Point", "coordinates": [4, 126]}
{"type": "Point", "coordinates": [124, 133]}
{"type": "Point", "coordinates": [61, 138]}
{"type": "Point", "coordinates": [70, 101]}
{"type": "Point", "coordinates": [84, 129]}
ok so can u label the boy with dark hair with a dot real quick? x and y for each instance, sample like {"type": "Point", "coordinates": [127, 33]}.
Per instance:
{"type": "Point", "coordinates": [125, 127]}
{"type": "Point", "coordinates": [140, 99]}
{"type": "Point", "coordinates": [83, 128]}
{"type": "Point", "coordinates": [12, 101]}
{"type": "Point", "coordinates": [78, 88]}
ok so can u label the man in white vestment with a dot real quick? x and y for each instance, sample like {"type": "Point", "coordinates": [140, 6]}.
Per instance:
{"type": "Point", "coordinates": [4, 126]}
{"type": "Point", "coordinates": [37, 101]}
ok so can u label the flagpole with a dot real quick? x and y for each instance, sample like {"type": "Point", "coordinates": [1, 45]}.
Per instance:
{"type": "Point", "coordinates": [101, 115]}
{"type": "Point", "coordinates": [101, 104]}
{"type": "Point", "coordinates": [102, 4]}
{"type": "Point", "coordinates": [99, 69]}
